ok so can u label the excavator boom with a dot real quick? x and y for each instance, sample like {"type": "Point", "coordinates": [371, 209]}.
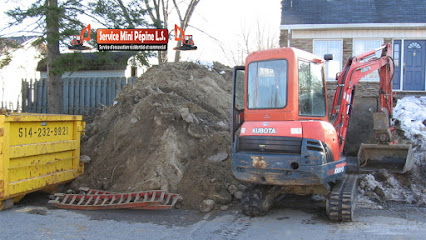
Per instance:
{"type": "Point", "coordinates": [398, 157]}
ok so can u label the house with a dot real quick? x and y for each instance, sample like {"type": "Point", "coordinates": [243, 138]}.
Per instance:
{"type": "Point", "coordinates": [96, 65]}
{"type": "Point", "coordinates": [346, 28]}
{"type": "Point", "coordinates": [17, 63]}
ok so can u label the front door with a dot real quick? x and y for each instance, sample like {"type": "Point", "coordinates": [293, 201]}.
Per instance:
{"type": "Point", "coordinates": [414, 69]}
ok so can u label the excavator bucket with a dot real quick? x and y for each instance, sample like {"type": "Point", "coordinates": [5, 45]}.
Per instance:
{"type": "Point", "coordinates": [397, 158]}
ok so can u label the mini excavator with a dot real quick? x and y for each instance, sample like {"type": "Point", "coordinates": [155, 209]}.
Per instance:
{"type": "Point", "coordinates": [187, 41]}
{"type": "Point", "coordinates": [78, 40]}
{"type": "Point", "coordinates": [286, 141]}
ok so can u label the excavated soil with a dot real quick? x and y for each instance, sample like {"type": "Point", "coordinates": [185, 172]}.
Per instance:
{"type": "Point", "coordinates": [170, 131]}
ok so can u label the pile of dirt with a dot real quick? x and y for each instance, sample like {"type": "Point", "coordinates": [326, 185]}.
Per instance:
{"type": "Point", "coordinates": [169, 131]}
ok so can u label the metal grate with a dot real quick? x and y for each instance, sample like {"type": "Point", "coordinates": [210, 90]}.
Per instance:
{"type": "Point", "coordinates": [270, 144]}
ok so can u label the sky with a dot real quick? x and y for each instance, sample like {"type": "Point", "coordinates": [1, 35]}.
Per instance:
{"type": "Point", "coordinates": [217, 27]}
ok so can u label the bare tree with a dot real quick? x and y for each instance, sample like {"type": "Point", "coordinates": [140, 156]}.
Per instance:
{"type": "Point", "coordinates": [159, 11]}
{"type": "Point", "coordinates": [159, 14]}
{"type": "Point", "coordinates": [184, 21]}
{"type": "Point", "coordinates": [252, 39]}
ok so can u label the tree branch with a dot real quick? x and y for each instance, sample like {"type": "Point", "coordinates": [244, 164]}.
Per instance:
{"type": "Point", "coordinates": [178, 11]}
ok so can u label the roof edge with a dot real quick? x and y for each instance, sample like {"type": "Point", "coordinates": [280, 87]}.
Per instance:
{"type": "Point", "coordinates": [351, 25]}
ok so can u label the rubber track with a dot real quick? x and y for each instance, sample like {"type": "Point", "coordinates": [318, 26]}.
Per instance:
{"type": "Point", "coordinates": [342, 201]}
{"type": "Point", "coordinates": [251, 202]}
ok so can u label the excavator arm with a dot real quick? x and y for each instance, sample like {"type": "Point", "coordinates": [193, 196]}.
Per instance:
{"type": "Point", "coordinates": [82, 38]}
{"type": "Point", "coordinates": [387, 154]}
{"type": "Point", "coordinates": [355, 69]}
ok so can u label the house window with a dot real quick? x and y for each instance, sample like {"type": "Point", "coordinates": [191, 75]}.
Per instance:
{"type": "Point", "coordinates": [334, 47]}
{"type": "Point", "coordinates": [364, 45]}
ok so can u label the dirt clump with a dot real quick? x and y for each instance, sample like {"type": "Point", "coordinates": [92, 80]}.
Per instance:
{"type": "Point", "coordinates": [170, 131]}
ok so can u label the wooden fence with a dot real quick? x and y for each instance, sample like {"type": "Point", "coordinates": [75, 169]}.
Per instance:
{"type": "Point", "coordinates": [79, 95]}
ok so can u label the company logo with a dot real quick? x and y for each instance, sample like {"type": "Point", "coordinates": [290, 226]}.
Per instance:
{"type": "Point", "coordinates": [132, 39]}
{"type": "Point", "coordinates": [187, 40]}
{"type": "Point", "coordinates": [264, 131]}
{"type": "Point", "coordinates": [77, 43]}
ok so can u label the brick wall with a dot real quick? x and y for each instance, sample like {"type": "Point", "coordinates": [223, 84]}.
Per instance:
{"type": "Point", "coordinates": [304, 44]}
{"type": "Point", "coordinates": [388, 40]}
{"type": "Point", "coordinates": [283, 38]}
{"type": "Point", "coordinates": [363, 89]}
{"type": "Point", "coordinates": [347, 50]}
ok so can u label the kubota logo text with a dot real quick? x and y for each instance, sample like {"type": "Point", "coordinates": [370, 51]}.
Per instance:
{"type": "Point", "coordinates": [264, 130]}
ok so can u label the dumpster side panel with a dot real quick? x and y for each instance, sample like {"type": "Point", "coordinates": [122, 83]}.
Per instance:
{"type": "Point", "coordinates": [3, 158]}
{"type": "Point", "coordinates": [38, 151]}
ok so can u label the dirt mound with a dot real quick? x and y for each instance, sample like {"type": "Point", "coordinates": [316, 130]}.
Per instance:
{"type": "Point", "coordinates": [170, 131]}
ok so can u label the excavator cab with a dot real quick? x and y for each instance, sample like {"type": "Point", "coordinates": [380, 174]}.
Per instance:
{"type": "Point", "coordinates": [280, 124]}
{"type": "Point", "coordinates": [187, 44]}
{"type": "Point", "coordinates": [76, 40]}
{"type": "Point", "coordinates": [188, 40]}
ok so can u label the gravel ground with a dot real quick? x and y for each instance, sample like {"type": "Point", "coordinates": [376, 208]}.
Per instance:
{"type": "Point", "coordinates": [304, 220]}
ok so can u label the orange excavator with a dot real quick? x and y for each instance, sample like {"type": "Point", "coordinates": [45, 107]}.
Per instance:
{"type": "Point", "coordinates": [284, 139]}
{"type": "Point", "coordinates": [187, 41]}
{"type": "Point", "coordinates": [78, 40]}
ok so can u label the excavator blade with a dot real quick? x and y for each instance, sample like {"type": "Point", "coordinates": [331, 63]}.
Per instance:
{"type": "Point", "coordinates": [396, 158]}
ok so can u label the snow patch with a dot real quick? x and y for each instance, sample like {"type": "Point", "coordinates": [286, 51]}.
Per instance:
{"type": "Point", "coordinates": [411, 112]}
{"type": "Point", "coordinates": [205, 63]}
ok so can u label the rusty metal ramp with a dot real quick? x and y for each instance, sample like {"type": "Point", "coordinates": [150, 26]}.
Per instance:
{"type": "Point", "coordinates": [91, 199]}
{"type": "Point", "coordinates": [396, 158]}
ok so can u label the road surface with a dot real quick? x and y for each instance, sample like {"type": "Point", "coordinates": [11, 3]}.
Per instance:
{"type": "Point", "coordinates": [297, 219]}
